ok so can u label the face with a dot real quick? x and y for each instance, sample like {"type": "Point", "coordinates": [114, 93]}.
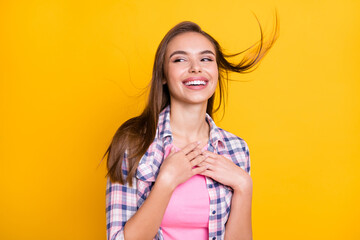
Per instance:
{"type": "Point", "coordinates": [190, 68]}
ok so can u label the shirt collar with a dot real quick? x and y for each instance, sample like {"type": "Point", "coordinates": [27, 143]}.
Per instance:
{"type": "Point", "coordinates": [216, 139]}
{"type": "Point", "coordinates": [163, 128]}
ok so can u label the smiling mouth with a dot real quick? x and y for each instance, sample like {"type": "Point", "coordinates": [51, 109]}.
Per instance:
{"type": "Point", "coordinates": [195, 83]}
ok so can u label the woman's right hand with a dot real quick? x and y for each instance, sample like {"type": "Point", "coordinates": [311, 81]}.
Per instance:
{"type": "Point", "coordinates": [181, 165]}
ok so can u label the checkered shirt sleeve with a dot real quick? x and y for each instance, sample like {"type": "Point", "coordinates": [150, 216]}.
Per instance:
{"type": "Point", "coordinates": [121, 205]}
{"type": "Point", "coordinates": [123, 201]}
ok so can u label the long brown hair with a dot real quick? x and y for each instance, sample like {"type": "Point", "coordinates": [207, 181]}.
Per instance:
{"type": "Point", "coordinates": [134, 136]}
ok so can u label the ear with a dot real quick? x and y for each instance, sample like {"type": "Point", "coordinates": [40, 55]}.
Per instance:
{"type": "Point", "coordinates": [163, 81]}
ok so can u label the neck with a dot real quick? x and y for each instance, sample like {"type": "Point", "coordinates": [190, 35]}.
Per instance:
{"type": "Point", "coordinates": [188, 124]}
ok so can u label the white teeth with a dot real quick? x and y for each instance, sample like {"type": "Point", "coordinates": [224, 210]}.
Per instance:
{"type": "Point", "coordinates": [197, 82]}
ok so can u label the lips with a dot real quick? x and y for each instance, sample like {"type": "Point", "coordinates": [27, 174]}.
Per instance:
{"type": "Point", "coordinates": [196, 81]}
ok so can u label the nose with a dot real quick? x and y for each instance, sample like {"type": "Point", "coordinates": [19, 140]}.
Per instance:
{"type": "Point", "coordinates": [194, 67]}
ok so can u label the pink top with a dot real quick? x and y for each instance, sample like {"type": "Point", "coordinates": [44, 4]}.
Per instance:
{"type": "Point", "coordinates": [187, 214]}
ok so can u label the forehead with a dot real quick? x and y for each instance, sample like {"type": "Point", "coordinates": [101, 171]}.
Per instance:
{"type": "Point", "coordinates": [191, 42]}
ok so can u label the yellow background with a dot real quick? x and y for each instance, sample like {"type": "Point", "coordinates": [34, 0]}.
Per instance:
{"type": "Point", "coordinates": [72, 71]}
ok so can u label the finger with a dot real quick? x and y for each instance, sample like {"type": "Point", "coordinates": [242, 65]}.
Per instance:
{"type": "Point", "coordinates": [206, 164]}
{"type": "Point", "coordinates": [209, 160]}
{"type": "Point", "coordinates": [190, 147]}
{"type": "Point", "coordinates": [193, 154]}
{"type": "Point", "coordinates": [207, 173]}
{"type": "Point", "coordinates": [209, 166]}
{"type": "Point", "coordinates": [172, 151]}
{"type": "Point", "coordinates": [211, 154]}
{"type": "Point", "coordinates": [196, 161]}
{"type": "Point", "coordinates": [202, 146]}
{"type": "Point", "coordinates": [201, 164]}
{"type": "Point", "coordinates": [199, 170]}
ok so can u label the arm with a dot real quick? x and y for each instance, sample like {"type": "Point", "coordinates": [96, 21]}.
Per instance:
{"type": "Point", "coordinates": [124, 222]}
{"type": "Point", "coordinates": [238, 225]}
{"type": "Point", "coordinates": [120, 206]}
{"type": "Point", "coordinates": [147, 220]}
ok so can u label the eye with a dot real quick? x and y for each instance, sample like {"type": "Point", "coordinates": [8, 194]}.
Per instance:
{"type": "Point", "coordinates": [179, 60]}
{"type": "Point", "coordinates": [207, 59]}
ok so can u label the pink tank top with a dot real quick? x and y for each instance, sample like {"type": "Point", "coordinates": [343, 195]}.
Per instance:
{"type": "Point", "coordinates": [187, 214]}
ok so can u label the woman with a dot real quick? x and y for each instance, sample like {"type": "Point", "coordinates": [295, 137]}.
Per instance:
{"type": "Point", "coordinates": [173, 174]}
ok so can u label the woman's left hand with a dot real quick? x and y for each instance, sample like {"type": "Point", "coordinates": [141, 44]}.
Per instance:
{"type": "Point", "coordinates": [226, 172]}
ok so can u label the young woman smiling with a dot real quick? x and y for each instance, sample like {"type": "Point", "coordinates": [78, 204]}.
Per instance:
{"type": "Point", "coordinates": [173, 174]}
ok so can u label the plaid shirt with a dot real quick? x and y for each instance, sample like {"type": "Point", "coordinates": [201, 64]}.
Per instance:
{"type": "Point", "coordinates": [122, 201]}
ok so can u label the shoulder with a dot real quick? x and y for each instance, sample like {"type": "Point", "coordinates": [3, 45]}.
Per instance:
{"type": "Point", "coordinates": [232, 141]}
{"type": "Point", "coordinates": [235, 148]}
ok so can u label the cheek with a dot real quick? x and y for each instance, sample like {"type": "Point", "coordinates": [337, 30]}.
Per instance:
{"type": "Point", "coordinates": [213, 69]}
{"type": "Point", "coordinates": [174, 74]}
{"type": "Point", "coordinates": [215, 73]}
{"type": "Point", "coordinates": [170, 78]}
{"type": "Point", "coordinates": [173, 80]}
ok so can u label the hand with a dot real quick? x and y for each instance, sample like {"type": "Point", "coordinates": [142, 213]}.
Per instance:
{"type": "Point", "coordinates": [226, 172]}
{"type": "Point", "coordinates": [182, 165]}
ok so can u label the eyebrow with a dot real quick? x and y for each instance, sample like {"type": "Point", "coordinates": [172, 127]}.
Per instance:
{"type": "Point", "coordinates": [185, 53]}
